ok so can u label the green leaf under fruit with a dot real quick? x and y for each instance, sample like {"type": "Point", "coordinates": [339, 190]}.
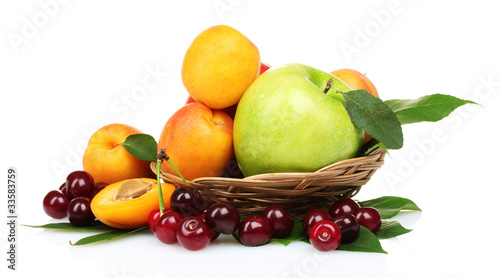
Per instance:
{"type": "Point", "coordinates": [375, 117]}
{"type": "Point", "coordinates": [430, 108]}
{"type": "Point", "coordinates": [389, 206]}
{"type": "Point", "coordinates": [366, 242]}
{"type": "Point", "coordinates": [390, 229]}
{"type": "Point", "coordinates": [142, 146]}
{"type": "Point", "coordinates": [96, 226]}
{"type": "Point", "coordinates": [106, 236]}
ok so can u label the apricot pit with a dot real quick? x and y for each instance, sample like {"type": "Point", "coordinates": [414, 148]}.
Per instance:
{"type": "Point", "coordinates": [131, 189]}
{"type": "Point", "coordinates": [127, 204]}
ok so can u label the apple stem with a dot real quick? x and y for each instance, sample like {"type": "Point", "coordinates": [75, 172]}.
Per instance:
{"type": "Point", "coordinates": [328, 85]}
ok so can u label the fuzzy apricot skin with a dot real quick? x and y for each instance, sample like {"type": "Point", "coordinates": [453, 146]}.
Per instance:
{"type": "Point", "coordinates": [219, 65]}
{"type": "Point", "coordinates": [129, 214]}
{"type": "Point", "coordinates": [108, 161]}
{"type": "Point", "coordinates": [198, 140]}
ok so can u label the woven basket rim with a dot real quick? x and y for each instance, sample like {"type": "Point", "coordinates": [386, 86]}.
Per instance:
{"type": "Point", "coordinates": [296, 192]}
{"type": "Point", "coordinates": [375, 157]}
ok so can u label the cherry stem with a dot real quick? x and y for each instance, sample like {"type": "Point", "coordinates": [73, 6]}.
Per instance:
{"type": "Point", "coordinates": [160, 193]}
{"type": "Point", "coordinates": [179, 173]}
{"type": "Point", "coordinates": [328, 85]}
{"type": "Point", "coordinates": [162, 155]}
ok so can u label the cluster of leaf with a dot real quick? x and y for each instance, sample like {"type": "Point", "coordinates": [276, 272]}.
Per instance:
{"type": "Point", "coordinates": [388, 206]}
{"type": "Point", "coordinates": [383, 119]}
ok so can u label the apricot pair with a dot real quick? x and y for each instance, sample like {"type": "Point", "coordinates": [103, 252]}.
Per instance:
{"type": "Point", "coordinates": [218, 67]}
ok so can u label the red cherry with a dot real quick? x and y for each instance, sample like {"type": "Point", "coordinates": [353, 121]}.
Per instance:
{"type": "Point", "coordinates": [369, 218]}
{"type": "Point", "coordinates": [343, 206]}
{"type": "Point", "coordinates": [312, 216]}
{"type": "Point", "coordinates": [79, 184]}
{"type": "Point", "coordinates": [215, 234]}
{"type": "Point", "coordinates": [165, 229]}
{"type": "Point", "coordinates": [325, 235]}
{"type": "Point", "coordinates": [254, 230]}
{"type": "Point", "coordinates": [280, 220]}
{"type": "Point", "coordinates": [153, 217]}
{"type": "Point", "coordinates": [63, 189]}
{"type": "Point", "coordinates": [349, 227]}
{"type": "Point", "coordinates": [223, 218]}
{"type": "Point", "coordinates": [55, 204]}
{"type": "Point", "coordinates": [80, 213]}
{"type": "Point", "coordinates": [187, 200]}
{"type": "Point", "coordinates": [193, 234]}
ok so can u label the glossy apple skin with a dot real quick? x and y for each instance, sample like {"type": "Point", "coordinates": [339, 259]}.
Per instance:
{"type": "Point", "coordinates": [286, 123]}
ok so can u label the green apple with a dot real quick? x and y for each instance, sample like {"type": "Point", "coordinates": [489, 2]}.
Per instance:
{"type": "Point", "coordinates": [285, 122]}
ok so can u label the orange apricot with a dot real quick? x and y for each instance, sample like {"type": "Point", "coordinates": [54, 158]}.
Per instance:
{"type": "Point", "coordinates": [127, 204]}
{"type": "Point", "coordinates": [108, 161]}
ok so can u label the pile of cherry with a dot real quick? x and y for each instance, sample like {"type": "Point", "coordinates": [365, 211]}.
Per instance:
{"type": "Point", "coordinates": [73, 199]}
{"type": "Point", "coordinates": [194, 224]}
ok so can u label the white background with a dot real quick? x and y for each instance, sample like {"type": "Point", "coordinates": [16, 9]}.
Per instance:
{"type": "Point", "coordinates": [68, 68]}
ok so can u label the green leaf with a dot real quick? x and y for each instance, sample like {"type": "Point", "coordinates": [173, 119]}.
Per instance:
{"type": "Point", "coordinates": [375, 117]}
{"type": "Point", "coordinates": [390, 229]}
{"type": "Point", "coordinates": [297, 234]}
{"type": "Point", "coordinates": [142, 146]}
{"type": "Point", "coordinates": [389, 206]}
{"type": "Point", "coordinates": [430, 108]}
{"type": "Point", "coordinates": [366, 242]}
{"type": "Point", "coordinates": [372, 145]}
{"type": "Point", "coordinates": [96, 226]}
{"type": "Point", "coordinates": [106, 236]}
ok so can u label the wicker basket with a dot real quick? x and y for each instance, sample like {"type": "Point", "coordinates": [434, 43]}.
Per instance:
{"type": "Point", "coordinates": [296, 192]}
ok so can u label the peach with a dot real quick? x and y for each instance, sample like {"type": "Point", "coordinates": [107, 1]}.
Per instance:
{"type": "Point", "coordinates": [356, 80]}
{"type": "Point", "coordinates": [127, 204]}
{"type": "Point", "coordinates": [198, 140]}
{"type": "Point", "coordinates": [219, 65]}
{"type": "Point", "coordinates": [108, 161]}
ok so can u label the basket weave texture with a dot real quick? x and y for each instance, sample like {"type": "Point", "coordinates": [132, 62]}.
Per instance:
{"type": "Point", "coordinates": [296, 192]}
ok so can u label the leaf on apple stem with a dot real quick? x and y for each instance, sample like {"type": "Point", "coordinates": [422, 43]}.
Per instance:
{"type": "Point", "coordinates": [430, 108]}
{"type": "Point", "coordinates": [142, 146]}
{"type": "Point", "coordinates": [375, 117]}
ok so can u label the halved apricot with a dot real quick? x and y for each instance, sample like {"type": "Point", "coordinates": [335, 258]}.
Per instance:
{"type": "Point", "coordinates": [127, 204]}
